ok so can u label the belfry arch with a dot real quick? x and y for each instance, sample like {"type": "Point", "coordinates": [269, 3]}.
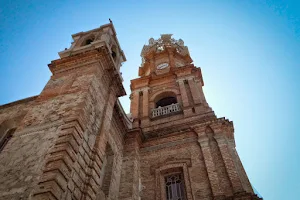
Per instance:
{"type": "Point", "coordinates": [165, 97]}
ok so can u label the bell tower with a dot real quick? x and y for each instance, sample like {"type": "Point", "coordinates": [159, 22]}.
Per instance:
{"type": "Point", "coordinates": [177, 147]}
{"type": "Point", "coordinates": [170, 86]}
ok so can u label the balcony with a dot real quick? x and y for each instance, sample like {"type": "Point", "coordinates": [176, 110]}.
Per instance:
{"type": "Point", "coordinates": [166, 110]}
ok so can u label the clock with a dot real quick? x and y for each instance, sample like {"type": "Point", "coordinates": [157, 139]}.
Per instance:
{"type": "Point", "coordinates": [162, 66]}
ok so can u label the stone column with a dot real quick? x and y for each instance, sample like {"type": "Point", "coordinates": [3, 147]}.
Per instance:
{"type": "Point", "coordinates": [229, 164]}
{"type": "Point", "coordinates": [195, 91]}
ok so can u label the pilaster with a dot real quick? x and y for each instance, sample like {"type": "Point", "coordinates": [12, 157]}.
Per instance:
{"type": "Point", "coordinates": [184, 97]}
{"type": "Point", "coordinates": [145, 101]}
{"type": "Point", "coordinates": [134, 104]}
{"type": "Point", "coordinates": [195, 92]}
{"type": "Point", "coordinates": [229, 164]}
{"type": "Point", "coordinates": [171, 58]}
{"type": "Point", "coordinates": [130, 176]}
{"type": "Point", "coordinates": [203, 141]}
{"type": "Point", "coordinates": [201, 93]}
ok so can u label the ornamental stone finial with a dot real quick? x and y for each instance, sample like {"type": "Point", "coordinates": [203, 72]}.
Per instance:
{"type": "Point", "coordinates": [164, 40]}
{"type": "Point", "coordinates": [151, 41]}
{"type": "Point", "coordinates": [180, 42]}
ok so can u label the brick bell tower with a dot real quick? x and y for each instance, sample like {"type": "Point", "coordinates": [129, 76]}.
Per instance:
{"type": "Point", "coordinates": [178, 148]}
{"type": "Point", "coordinates": [68, 138]}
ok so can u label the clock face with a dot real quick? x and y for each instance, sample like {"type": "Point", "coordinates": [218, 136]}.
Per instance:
{"type": "Point", "coordinates": [162, 66]}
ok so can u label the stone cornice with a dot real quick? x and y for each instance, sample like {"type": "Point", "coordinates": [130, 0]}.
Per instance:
{"type": "Point", "coordinates": [180, 73]}
{"type": "Point", "coordinates": [186, 124]}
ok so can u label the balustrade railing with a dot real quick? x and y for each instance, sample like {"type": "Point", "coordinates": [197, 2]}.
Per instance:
{"type": "Point", "coordinates": [160, 111]}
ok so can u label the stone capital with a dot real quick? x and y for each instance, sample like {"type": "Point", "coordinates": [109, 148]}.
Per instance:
{"type": "Point", "coordinates": [222, 140]}
{"type": "Point", "coordinates": [143, 89]}
{"type": "Point", "coordinates": [181, 79]}
{"type": "Point", "coordinates": [203, 141]}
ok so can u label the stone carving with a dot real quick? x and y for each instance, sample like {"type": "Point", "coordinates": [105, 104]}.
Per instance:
{"type": "Point", "coordinates": [151, 41]}
{"type": "Point", "coordinates": [180, 42]}
{"type": "Point", "coordinates": [165, 40]}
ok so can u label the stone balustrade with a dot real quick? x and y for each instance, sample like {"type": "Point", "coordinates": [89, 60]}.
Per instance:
{"type": "Point", "coordinates": [166, 110]}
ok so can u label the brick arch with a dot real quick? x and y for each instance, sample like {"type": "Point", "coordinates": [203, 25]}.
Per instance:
{"type": "Point", "coordinates": [9, 124]}
{"type": "Point", "coordinates": [83, 40]}
{"type": "Point", "coordinates": [164, 93]}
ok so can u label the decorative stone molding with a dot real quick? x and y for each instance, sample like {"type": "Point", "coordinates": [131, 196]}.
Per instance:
{"type": "Point", "coordinates": [185, 78]}
{"type": "Point", "coordinates": [141, 90]}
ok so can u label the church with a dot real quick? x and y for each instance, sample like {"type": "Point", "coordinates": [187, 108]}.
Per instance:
{"type": "Point", "coordinates": [74, 141]}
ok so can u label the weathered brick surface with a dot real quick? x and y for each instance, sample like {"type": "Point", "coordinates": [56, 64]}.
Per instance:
{"type": "Point", "coordinates": [74, 141]}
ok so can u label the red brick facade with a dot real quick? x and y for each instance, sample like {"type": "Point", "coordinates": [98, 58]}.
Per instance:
{"type": "Point", "coordinates": [74, 140]}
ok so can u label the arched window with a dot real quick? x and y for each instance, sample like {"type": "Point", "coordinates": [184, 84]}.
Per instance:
{"type": "Point", "coordinates": [166, 101]}
{"type": "Point", "coordinates": [6, 137]}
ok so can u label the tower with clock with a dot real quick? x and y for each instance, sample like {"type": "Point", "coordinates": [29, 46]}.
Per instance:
{"type": "Point", "coordinates": [168, 80]}
{"type": "Point", "coordinates": [182, 149]}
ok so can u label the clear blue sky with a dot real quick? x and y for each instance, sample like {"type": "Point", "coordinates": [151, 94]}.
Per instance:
{"type": "Point", "coordinates": [248, 50]}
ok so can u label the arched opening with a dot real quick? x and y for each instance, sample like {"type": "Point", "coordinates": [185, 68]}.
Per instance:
{"type": "Point", "coordinates": [88, 41]}
{"type": "Point", "coordinates": [114, 53]}
{"type": "Point", "coordinates": [6, 137]}
{"type": "Point", "coordinates": [166, 101]}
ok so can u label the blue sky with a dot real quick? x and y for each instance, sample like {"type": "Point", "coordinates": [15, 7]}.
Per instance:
{"type": "Point", "coordinates": [248, 50]}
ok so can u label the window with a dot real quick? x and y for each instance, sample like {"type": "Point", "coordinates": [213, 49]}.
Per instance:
{"type": "Point", "coordinates": [6, 137]}
{"type": "Point", "coordinates": [174, 187]}
{"type": "Point", "coordinates": [166, 101]}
